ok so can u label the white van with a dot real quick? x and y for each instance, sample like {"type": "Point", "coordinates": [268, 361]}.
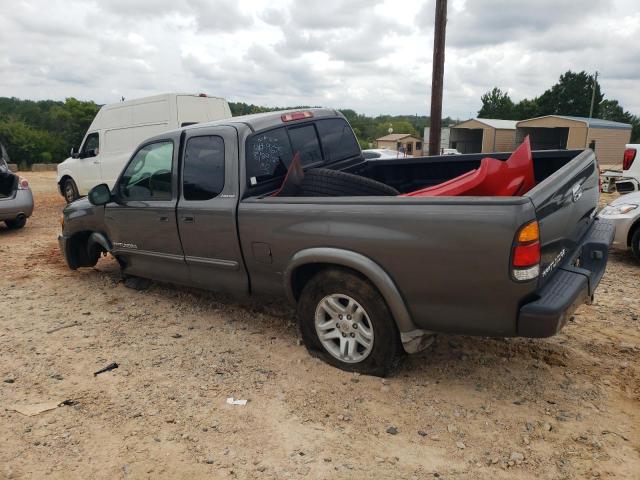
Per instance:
{"type": "Point", "coordinates": [119, 128]}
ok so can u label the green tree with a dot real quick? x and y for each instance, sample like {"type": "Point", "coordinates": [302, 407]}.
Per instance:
{"type": "Point", "coordinates": [399, 126]}
{"type": "Point", "coordinates": [525, 109]}
{"type": "Point", "coordinates": [612, 110]}
{"type": "Point", "coordinates": [496, 104]}
{"type": "Point", "coordinates": [43, 131]}
{"type": "Point", "coordinates": [570, 96]}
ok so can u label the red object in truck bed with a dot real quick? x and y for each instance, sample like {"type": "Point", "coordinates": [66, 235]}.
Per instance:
{"type": "Point", "coordinates": [512, 177]}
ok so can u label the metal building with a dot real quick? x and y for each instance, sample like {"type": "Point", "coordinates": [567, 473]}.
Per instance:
{"type": "Point", "coordinates": [483, 135]}
{"type": "Point", "coordinates": [564, 132]}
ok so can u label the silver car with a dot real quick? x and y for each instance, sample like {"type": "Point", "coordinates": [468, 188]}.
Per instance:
{"type": "Point", "coordinates": [16, 199]}
{"type": "Point", "coordinates": [383, 154]}
{"type": "Point", "coordinates": [624, 212]}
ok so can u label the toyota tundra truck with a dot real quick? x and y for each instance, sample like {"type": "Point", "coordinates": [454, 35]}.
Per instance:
{"type": "Point", "coordinates": [374, 272]}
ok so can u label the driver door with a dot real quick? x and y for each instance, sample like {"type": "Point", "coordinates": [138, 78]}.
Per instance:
{"type": "Point", "coordinates": [141, 221]}
{"type": "Point", "coordinates": [88, 163]}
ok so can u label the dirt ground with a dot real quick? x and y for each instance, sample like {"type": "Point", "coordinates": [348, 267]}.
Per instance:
{"type": "Point", "coordinates": [468, 408]}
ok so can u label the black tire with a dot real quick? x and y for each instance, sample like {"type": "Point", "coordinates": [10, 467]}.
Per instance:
{"type": "Point", "coordinates": [16, 223]}
{"type": "Point", "coordinates": [635, 243]}
{"type": "Point", "coordinates": [70, 190]}
{"type": "Point", "coordinates": [386, 352]}
{"type": "Point", "coordinates": [322, 182]}
{"type": "Point", "coordinates": [81, 254]}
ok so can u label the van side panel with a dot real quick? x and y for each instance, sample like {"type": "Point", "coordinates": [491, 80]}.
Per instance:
{"type": "Point", "coordinates": [116, 116]}
{"type": "Point", "coordinates": [195, 109]}
{"type": "Point", "coordinates": [151, 112]}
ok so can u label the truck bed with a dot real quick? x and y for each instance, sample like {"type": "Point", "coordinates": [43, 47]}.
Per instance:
{"type": "Point", "coordinates": [409, 174]}
{"type": "Point", "coordinates": [433, 248]}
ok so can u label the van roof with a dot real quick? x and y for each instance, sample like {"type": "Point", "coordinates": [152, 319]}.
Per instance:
{"type": "Point", "coordinates": [152, 98]}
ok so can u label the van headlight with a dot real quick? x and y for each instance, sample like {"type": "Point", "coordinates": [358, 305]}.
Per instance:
{"type": "Point", "coordinates": [619, 209]}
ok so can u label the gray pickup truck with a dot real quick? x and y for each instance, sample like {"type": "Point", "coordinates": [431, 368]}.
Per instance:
{"type": "Point", "coordinates": [374, 274]}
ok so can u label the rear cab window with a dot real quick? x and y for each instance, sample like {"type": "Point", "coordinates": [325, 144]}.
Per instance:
{"type": "Point", "coordinates": [320, 143]}
{"type": "Point", "coordinates": [304, 140]}
{"type": "Point", "coordinates": [338, 140]}
{"type": "Point", "coordinates": [268, 156]}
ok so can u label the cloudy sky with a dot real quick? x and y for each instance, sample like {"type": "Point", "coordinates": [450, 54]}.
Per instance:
{"type": "Point", "coordinates": [370, 55]}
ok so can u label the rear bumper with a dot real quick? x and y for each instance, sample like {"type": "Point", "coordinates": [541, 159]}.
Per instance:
{"type": "Point", "coordinates": [570, 287]}
{"type": "Point", "coordinates": [20, 204]}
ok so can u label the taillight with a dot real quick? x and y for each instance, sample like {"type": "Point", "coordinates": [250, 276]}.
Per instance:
{"type": "Point", "coordinates": [525, 257]}
{"type": "Point", "coordinates": [290, 117]}
{"type": "Point", "coordinates": [23, 184]}
{"type": "Point", "coordinates": [629, 157]}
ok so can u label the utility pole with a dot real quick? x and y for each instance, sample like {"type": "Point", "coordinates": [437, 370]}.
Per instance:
{"type": "Point", "coordinates": [593, 94]}
{"type": "Point", "coordinates": [437, 77]}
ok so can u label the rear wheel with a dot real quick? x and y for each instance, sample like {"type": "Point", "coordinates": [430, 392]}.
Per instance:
{"type": "Point", "coordinates": [16, 223]}
{"type": "Point", "coordinates": [70, 190]}
{"type": "Point", "coordinates": [635, 243]}
{"type": "Point", "coordinates": [345, 321]}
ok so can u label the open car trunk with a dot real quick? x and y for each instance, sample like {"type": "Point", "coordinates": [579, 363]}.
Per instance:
{"type": "Point", "coordinates": [8, 183]}
{"type": "Point", "coordinates": [8, 180]}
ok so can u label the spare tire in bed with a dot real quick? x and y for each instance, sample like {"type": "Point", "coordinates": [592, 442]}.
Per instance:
{"type": "Point", "coordinates": [322, 182]}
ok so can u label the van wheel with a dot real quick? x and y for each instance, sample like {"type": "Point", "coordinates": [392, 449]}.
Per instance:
{"type": "Point", "coordinates": [70, 190]}
{"type": "Point", "coordinates": [635, 243]}
{"type": "Point", "coordinates": [16, 223]}
{"type": "Point", "coordinates": [345, 321]}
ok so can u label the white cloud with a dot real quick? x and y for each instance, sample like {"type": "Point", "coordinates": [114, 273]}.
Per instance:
{"type": "Point", "coordinates": [370, 55]}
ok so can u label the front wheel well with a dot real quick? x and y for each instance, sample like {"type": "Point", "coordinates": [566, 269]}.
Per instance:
{"type": "Point", "coordinates": [62, 181]}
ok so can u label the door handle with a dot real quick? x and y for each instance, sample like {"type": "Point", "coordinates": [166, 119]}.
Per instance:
{"type": "Point", "coordinates": [163, 219]}
{"type": "Point", "coordinates": [188, 219]}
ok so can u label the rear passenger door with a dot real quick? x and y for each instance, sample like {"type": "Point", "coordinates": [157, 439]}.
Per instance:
{"type": "Point", "coordinates": [207, 210]}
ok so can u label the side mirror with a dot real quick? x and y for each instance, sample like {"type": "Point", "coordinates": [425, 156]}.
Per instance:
{"type": "Point", "coordinates": [100, 195]}
{"type": "Point", "coordinates": [74, 153]}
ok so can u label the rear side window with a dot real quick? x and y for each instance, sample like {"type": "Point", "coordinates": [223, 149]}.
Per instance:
{"type": "Point", "coordinates": [338, 141]}
{"type": "Point", "coordinates": [305, 141]}
{"type": "Point", "coordinates": [268, 155]}
{"type": "Point", "coordinates": [203, 173]}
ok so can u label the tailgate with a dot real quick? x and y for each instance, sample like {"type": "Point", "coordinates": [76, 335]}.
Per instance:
{"type": "Point", "coordinates": [566, 204]}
